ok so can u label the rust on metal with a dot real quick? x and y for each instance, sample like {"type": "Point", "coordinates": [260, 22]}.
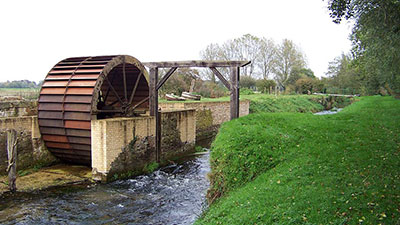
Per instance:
{"type": "Point", "coordinates": [77, 90]}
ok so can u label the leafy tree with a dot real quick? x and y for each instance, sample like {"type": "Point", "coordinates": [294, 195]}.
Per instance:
{"type": "Point", "coordinates": [375, 39]}
{"type": "Point", "coordinates": [343, 74]}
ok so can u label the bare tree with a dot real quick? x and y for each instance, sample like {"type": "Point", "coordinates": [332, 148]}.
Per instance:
{"type": "Point", "coordinates": [267, 57]}
{"type": "Point", "coordinates": [289, 57]}
{"type": "Point", "coordinates": [211, 52]}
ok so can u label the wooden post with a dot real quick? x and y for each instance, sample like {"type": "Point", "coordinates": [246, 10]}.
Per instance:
{"type": "Point", "coordinates": [153, 101]}
{"type": "Point", "coordinates": [234, 92]}
{"type": "Point", "coordinates": [154, 109]}
{"type": "Point", "coordinates": [12, 159]}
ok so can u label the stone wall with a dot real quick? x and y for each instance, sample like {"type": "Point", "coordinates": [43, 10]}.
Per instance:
{"type": "Point", "coordinates": [220, 111]}
{"type": "Point", "coordinates": [11, 107]}
{"type": "Point", "coordinates": [125, 146]}
{"type": "Point", "coordinates": [209, 116]}
{"type": "Point", "coordinates": [30, 148]}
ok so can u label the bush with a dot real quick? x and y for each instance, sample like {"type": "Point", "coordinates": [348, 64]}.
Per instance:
{"type": "Point", "coordinates": [246, 91]}
{"type": "Point", "coordinates": [209, 89]}
{"type": "Point", "coordinates": [265, 85]}
{"type": "Point", "coordinates": [247, 82]}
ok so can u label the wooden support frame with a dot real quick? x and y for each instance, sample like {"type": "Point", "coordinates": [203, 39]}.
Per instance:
{"type": "Point", "coordinates": [155, 85]}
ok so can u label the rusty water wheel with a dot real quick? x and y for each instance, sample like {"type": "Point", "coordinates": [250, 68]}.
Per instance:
{"type": "Point", "coordinates": [78, 90]}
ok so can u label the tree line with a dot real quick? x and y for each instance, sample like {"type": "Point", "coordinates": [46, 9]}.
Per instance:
{"type": "Point", "coordinates": [282, 65]}
{"type": "Point", "coordinates": [373, 65]}
{"type": "Point", "coordinates": [20, 84]}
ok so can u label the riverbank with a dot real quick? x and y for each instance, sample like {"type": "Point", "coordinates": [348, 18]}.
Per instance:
{"type": "Point", "coordinates": [270, 168]}
{"type": "Point", "coordinates": [44, 178]}
{"type": "Point", "coordinates": [285, 103]}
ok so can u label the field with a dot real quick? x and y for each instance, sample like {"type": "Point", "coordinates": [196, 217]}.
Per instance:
{"type": "Point", "coordinates": [29, 93]}
{"type": "Point", "coordinates": [299, 168]}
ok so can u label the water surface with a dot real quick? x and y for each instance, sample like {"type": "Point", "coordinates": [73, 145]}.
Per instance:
{"type": "Point", "coordinates": [171, 195]}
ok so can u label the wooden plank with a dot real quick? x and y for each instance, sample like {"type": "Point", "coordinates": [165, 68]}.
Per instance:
{"type": "Point", "coordinates": [52, 91]}
{"type": "Point", "coordinates": [165, 78]}
{"type": "Point", "coordinates": [196, 63]}
{"type": "Point", "coordinates": [50, 107]}
{"type": "Point", "coordinates": [221, 77]}
{"type": "Point", "coordinates": [234, 104]}
{"type": "Point", "coordinates": [83, 125]}
{"type": "Point", "coordinates": [79, 91]}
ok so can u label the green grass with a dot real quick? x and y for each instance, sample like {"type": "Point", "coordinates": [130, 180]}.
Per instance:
{"type": "Point", "coordinates": [296, 168]}
{"type": "Point", "coordinates": [29, 93]}
{"type": "Point", "coordinates": [281, 103]}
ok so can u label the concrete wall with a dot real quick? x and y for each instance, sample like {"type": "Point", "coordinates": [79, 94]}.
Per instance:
{"type": "Point", "coordinates": [30, 148]}
{"type": "Point", "coordinates": [125, 146]}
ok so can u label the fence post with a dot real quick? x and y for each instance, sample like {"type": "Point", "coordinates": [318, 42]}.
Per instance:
{"type": "Point", "coordinates": [12, 159]}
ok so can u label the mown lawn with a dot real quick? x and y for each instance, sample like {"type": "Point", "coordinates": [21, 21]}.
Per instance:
{"type": "Point", "coordinates": [294, 168]}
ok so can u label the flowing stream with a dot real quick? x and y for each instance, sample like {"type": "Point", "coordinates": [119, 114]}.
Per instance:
{"type": "Point", "coordinates": [171, 195]}
{"type": "Point", "coordinates": [327, 112]}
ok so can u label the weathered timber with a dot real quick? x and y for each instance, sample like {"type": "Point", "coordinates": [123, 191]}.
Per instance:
{"type": "Point", "coordinates": [234, 92]}
{"type": "Point", "coordinates": [154, 109]}
{"type": "Point", "coordinates": [12, 159]}
{"type": "Point", "coordinates": [166, 76]}
{"type": "Point", "coordinates": [221, 77]}
{"type": "Point", "coordinates": [196, 63]}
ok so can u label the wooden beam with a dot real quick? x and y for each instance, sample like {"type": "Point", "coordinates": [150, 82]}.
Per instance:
{"type": "Point", "coordinates": [135, 87]}
{"type": "Point", "coordinates": [139, 103]}
{"type": "Point", "coordinates": [196, 63]}
{"type": "Point", "coordinates": [113, 90]}
{"type": "Point", "coordinates": [154, 111]}
{"type": "Point", "coordinates": [165, 77]}
{"type": "Point", "coordinates": [153, 93]}
{"type": "Point", "coordinates": [234, 104]}
{"type": "Point", "coordinates": [124, 77]}
{"type": "Point", "coordinates": [221, 77]}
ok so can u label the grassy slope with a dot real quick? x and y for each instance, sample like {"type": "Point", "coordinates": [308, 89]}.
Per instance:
{"type": "Point", "coordinates": [293, 168]}
{"type": "Point", "coordinates": [281, 103]}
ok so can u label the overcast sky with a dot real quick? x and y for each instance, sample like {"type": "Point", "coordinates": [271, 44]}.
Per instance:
{"type": "Point", "coordinates": [35, 35]}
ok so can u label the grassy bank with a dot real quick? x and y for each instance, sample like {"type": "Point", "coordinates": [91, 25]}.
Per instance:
{"type": "Point", "coordinates": [285, 103]}
{"type": "Point", "coordinates": [293, 168]}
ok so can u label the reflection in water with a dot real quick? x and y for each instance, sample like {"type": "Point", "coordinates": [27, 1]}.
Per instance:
{"type": "Point", "coordinates": [172, 195]}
